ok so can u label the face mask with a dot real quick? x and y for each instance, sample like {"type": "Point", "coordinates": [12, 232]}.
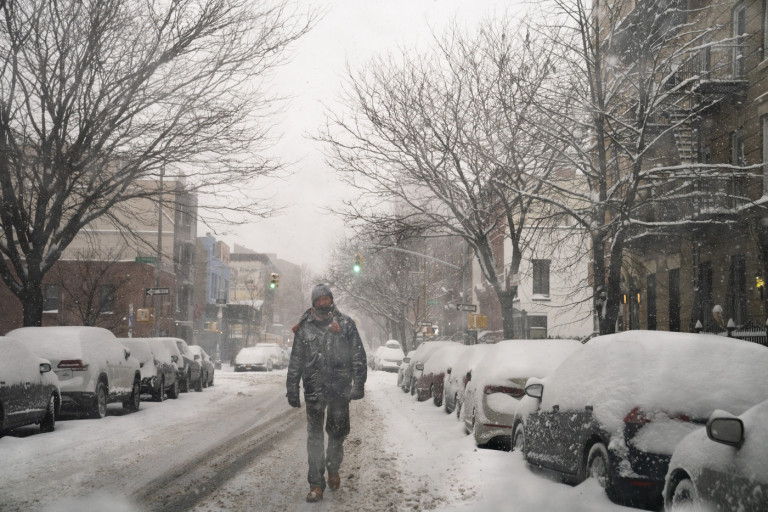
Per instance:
{"type": "Point", "coordinates": [323, 312]}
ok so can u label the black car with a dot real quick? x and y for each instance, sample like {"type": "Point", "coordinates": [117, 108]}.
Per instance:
{"type": "Point", "coordinates": [29, 389]}
{"type": "Point", "coordinates": [616, 409]}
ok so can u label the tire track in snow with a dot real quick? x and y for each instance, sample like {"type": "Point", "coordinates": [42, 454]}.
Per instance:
{"type": "Point", "coordinates": [193, 481]}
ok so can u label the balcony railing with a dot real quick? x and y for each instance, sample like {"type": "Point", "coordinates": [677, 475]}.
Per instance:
{"type": "Point", "coordinates": [715, 69]}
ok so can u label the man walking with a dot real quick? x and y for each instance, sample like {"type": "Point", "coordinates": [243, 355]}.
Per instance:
{"type": "Point", "coordinates": [329, 358]}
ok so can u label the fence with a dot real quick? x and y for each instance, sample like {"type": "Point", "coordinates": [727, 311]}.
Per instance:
{"type": "Point", "coordinates": [748, 332]}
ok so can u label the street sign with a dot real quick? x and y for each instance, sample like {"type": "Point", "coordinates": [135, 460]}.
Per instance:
{"type": "Point", "coordinates": [433, 302]}
{"type": "Point", "coordinates": [146, 259]}
{"type": "Point", "coordinates": [156, 291]}
{"type": "Point", "coordinates": [466, 307]}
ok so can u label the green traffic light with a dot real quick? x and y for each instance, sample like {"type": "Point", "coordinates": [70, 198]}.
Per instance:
{"type": "Point", "coordinates": [356, 268]}
{"type": "Point", "coordinates": [272, 285]}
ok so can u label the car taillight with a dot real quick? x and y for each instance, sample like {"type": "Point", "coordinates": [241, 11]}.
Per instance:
{"type": "Point", "coordinates": [637, 416]}
{"type": "Point", "coordinates": [513, 392]}
{"type": "Point", "coordinates": [73, 364]}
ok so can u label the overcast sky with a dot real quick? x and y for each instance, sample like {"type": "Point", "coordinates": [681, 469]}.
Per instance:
{"type": "Point", "coordinates": [350, 31]}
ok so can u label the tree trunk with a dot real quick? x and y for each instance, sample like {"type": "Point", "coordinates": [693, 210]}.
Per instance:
{"type": "Point", "coordinates": [31, 297]}
{"type": "Point", "coordinates": [507, 301]}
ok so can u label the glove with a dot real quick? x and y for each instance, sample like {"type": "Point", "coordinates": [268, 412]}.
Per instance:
{"type": "Point", "coordinates": [357, 394]}
{"type": "Point", "coordinates": [293, 401]}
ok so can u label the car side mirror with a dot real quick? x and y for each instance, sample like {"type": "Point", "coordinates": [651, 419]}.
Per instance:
{"type": "Point", "coordinates": [728, 431]}
{"type": "Point", "coordinates": [197, 357]}
{"type": "Point", "coordinates": [535, 391]}
{"type": "Point", "coordinates": [406, 359]}
{"type": "Point", "coordinates": [419, 366]}
{"type": "Point", "coordinates": [45, 367]}
{"type": "Point", "coordinates": [174, 358]}
{"type": "Point", "coordinates": [448, 371]}
{"type": "Point", "coordinates": [127, 353]}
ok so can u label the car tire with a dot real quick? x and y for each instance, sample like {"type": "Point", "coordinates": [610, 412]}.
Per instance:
{"type": "Point", "coordinates": [134, 400]}
{"type": "Point", "coordinates": [684, 494]}
{"type": "Point", "coordinates": [159, 396]}
{"type": "Point", "coordinates": [599, 467]}
{"type": "Point", "coordinates": [437, 399]}
{"type": "Point", "coordinates": [48, 423]}
{"type": "Point", "coordinates": [174, 391]}
{"type": "Point", "coordinates": [458, 408]}
{"type": "Point", "coordinates": [184, 384]}
{"type": "Point", "coordinates": [98, 408]}
{"type": "Point", "coordinates": [518, 438]}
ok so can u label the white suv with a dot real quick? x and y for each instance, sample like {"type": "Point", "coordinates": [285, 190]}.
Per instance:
{"type": "Point", "coordinates": [93, 367]}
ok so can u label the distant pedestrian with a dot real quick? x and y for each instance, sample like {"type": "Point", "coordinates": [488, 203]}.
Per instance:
{"type": "Point", "coordinates": [329, 358]}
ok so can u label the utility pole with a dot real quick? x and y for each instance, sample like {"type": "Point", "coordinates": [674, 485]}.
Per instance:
{"type": "Point", "coordinates": [158, 298]}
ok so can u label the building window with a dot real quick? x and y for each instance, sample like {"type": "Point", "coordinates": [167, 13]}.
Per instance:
{"type": "Point", "coordinates": [674, 300]}
{"type": "Point", "coordinates": [541, 277]}
{"type": "Point", "coordinates": [737, 290]}
{"type": "Point", "coordinates": [739, 31]}
{"type": "Point", "coordinates": [737, 148]}
{"type": "Point", "coordinates": [764, 124]}
{"type": "Point", "coordinates": [765, 28]}
{"type": "Point", "coordinates": [650, 294]}
{"type": "Point", "coordinates": [537, 326]}
{"type": "Point", "coordinates": [107, 298]}
{"type": "Point", "coordinates": [51, 298]}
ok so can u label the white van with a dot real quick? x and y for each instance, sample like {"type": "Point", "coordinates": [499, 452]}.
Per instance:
{"type": "Point", "coordinates": [93, 367]}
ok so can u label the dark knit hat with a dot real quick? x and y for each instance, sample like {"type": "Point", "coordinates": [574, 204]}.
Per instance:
{"type": "Point", "coordinates": [320, 290]}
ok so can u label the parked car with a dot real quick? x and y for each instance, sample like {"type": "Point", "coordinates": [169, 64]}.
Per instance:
{"type": "Point", "coordinates": [401, 372]}
{"type": "Point", "coordinates": [433, 370]}
{"type": "Point", "coordinates": [158, 370]}
{"type": "Point", "coordinates": [616, 409]}
{"type": "Point", "coordinates": [276, 353]}
{"type": "Point", "coordinates": [492, 396]}
{"type": "Point", "coordinates": [253, 359]}
{"type": "Point", "coordinates": [388, 357]}
{"type": "Point", "coordinates": [93, 368]}
{"type": "Point", "coordinates": [208, 366]}
{"type": "Point", "coordinates": [29, 389]}
{"type": "Point", "coordinates": [182, 375]}
{"type": "Point", "coordinates": [722, 466]}
{"type": "Point", "coordinates": [191, 377]}
{"type": "Point", "coordinates": [410, 373]}
{"type": "Point", "coordinates": [461, 373]}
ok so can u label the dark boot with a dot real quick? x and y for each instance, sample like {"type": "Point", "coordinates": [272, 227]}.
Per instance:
{"type": "Point", "coordinates": [315, 494]}
{"type": "Point", "coordinates": [334, 481]}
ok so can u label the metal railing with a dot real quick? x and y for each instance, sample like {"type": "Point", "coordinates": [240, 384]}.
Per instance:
{"type": "Point", "coordinates": [714, 62]}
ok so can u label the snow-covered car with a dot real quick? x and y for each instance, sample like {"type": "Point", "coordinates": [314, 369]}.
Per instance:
{"type": "Point", "coordinates": [388, 357]}
{"type": "Point", "coordinates": [29, 389]}
{"type": "Point", "coordinates": [722, 467]}
{"type": "Point", "coordinates": [276, 353]}
{"type": "Point", "coordinates": [93, 368]}
{"type": "Point", "coordinates": [418, 355]}
{"type": "Point", "coordinates": [433, 370]}
{"type": "Point", "coordinates": [460, 374]}
{"type": "Point", "coordinates": [208, 367]}
{"type": "Point", "coordinates": [492, 396]}
{"type": "Point", "coordinates": [254, 359]}
{"type": "Point", "coordinates": [188, 369]}
{"type": "Point", "coordinates": [616, 409]}
{"type": "Point", "coordinates": [158, 371]}
{"type": "Point", "coordinates": [169, 344]}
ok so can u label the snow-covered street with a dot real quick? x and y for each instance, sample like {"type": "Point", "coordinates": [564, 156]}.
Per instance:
{"type": "Point", "coordinates": [239, 447]}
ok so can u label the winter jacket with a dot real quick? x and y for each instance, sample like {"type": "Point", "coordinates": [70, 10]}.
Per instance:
{"type": "Point", "coordinates": [329, 363]}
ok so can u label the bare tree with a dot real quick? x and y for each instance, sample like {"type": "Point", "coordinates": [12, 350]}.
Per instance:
{"type": "Point", "coordinates": [97, 96]}
{"type": "Point", "coordinates": [91, 285]}
{"type": "Point", "coordinates": [629, 100]}
{"type": "Point", "coordinates": [447, 137]}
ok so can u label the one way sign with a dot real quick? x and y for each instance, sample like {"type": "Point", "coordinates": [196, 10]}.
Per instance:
{"type": "Point", "coordinates": [156, 291]}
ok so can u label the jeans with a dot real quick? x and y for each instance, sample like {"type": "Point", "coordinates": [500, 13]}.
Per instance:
{"type": "Point", "coordinates": [337, 427]}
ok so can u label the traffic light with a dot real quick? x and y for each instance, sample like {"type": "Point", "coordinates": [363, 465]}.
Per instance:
{"type": "Point", "coordinates": [358, 266]}
{"type": "Point", "coordinates": [274, 280]}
